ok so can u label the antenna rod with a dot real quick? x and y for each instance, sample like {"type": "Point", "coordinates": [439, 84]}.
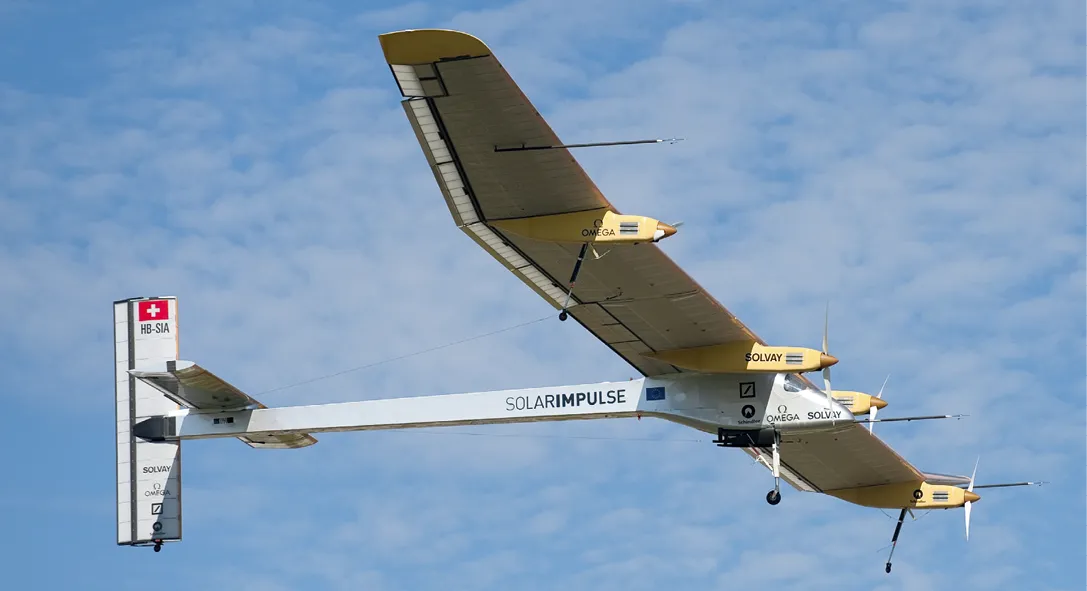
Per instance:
{"type": "Point", "coordinates": [924, 418]}
{"type": "Point", "coordinates": [524, 148]}
{"type": "Point", "coordinates": [1032, 483]}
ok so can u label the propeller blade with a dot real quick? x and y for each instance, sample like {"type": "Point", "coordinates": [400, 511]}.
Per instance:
{"type": "Point", "coordinates": [826, 384]}
{"type": "Point", "coordinates": [826, 329]}
{"type": "Point", "coordinates": [967, 508]}
{"type": "Point", "coordinates": [875, 409]}
{"type": "Point", "coordinates": [826, 370]}
{"type": "Point", "coordinates": [970, 488]}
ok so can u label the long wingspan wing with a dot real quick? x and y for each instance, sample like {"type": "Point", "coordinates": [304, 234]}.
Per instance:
{"type": "Point", "coordinates": [462, 105]}
{"type": "Point", "coordinates": [465, 108]}
{"type": "Point", "coordinates": [192, 386]}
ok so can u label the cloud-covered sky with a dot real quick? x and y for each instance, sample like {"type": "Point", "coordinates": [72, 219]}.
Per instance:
{"type": "Point", "coordinates": [918, 164]}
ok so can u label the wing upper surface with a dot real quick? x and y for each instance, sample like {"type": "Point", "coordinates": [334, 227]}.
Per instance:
{"type": "Point", "coordinates": [464, 107]}
{"type": "Point", "coordinates": [847, 457]}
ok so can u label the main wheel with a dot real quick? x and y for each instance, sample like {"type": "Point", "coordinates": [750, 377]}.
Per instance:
{"type": "Point", "coordinates": [773, 497]}
{"type": "Point", "coordinates": [563, 315]}
{"type": "Point", "coordinates": [888, 569]}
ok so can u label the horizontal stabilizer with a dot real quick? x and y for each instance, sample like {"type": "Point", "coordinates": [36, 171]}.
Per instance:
{"type": "Point", "coordinates": [190, 385]}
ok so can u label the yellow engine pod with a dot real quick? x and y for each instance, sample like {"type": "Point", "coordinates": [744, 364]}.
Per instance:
{"type": "Point", "coordinates": [596, 226]}
{"type": "Point", "coordinates": [745, 357]}
{"type": "Point", "coordinates": [909, 494]}
{"type": "Point", "coordinates": [858, 403]}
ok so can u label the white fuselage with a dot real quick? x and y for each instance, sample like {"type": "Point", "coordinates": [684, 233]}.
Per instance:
{"type": "Point", "coordinates": [704, 402]}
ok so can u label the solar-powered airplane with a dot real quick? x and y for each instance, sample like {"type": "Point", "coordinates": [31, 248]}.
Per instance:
{"type": "Point", "coordinates": [515, 189]}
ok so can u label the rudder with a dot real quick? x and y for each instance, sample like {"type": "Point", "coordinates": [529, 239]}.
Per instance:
{"type": "Point", "coordinates": [148, 473]}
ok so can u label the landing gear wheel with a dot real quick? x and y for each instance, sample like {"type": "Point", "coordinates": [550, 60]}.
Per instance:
{"type": "Point", "coordinates": [563, 316]}
{"type": "Point", "coordinates": [888, 569]}
{"type": "Point", "coordinates": [773, 497]}
{"type": "Point", "coordinates": [158, 545]}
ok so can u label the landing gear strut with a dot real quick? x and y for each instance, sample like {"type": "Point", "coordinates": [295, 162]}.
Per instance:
{"type": "Point", "coordinates": [894, 538]}
{"type": "Point", "coordinates": [774, 497]}
{"type": "Point", "coordinates": [577, 268]}
{"type": "Point", "coordinates": [758, 440]}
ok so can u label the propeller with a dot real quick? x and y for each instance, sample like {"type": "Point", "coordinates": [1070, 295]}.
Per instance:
{"type": "Point", "coordinates": [826, 353]}
{"type": "Point", "coordinates": [875, 408]}
{"type": "Point", "coordinates": [970, 490]}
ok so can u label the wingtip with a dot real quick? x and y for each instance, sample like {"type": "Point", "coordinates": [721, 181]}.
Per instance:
{"type": "Point", "coordinates": [422, 46]}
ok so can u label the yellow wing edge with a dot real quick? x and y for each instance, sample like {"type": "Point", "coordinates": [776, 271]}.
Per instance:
{"type": "Point", "coordinates": [421, 46]}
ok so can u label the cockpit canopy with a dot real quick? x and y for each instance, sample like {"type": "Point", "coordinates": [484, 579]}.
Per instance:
{"type": "Point", "coordinates": [793, 383]}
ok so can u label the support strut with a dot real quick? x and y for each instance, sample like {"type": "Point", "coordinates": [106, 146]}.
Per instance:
{"type": "Point", "coordinates": [774, 497]}
{"type": "Point", "coordinates": [894, 538]}
{"type": "Point", "coordinates": [573, 278]}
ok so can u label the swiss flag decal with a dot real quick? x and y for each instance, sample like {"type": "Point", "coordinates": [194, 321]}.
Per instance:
{"type": "Point", "coordinates": [153, 310]}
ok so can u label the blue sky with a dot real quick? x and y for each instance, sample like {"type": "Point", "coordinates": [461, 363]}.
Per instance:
{"type": "Point", "coordinates": [923, 159]}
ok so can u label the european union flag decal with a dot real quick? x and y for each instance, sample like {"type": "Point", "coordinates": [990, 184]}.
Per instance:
{"type": "Point", "coordinates": [654, 393]}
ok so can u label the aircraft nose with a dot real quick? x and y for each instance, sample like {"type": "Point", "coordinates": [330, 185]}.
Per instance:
{"type": "Point", "coordinates": [667, 229]}
{"type": "Point", "coordinates": [971, 497]}
{"type": "Point", "coordinates": [878, 402]}
{"type": "Point", "coordinates": [826, 360]}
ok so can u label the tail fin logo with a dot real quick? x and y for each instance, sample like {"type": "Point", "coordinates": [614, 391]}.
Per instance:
{"type": "Point", "coordinates": [153, 310]}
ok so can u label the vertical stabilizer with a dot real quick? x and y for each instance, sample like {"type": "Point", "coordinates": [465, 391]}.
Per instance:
{"type": "Point", "coordinates": [148, 473]}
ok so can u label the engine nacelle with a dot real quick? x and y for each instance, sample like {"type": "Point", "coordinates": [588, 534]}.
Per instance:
{"type": "Point", "coordinates": [599, 226]}
{"type": "Point", "coordinates": [858, 403]}
{"type": "Point", "coordinates": [745, 357]}
{"type": "Point", "coordinates": [917, 496]}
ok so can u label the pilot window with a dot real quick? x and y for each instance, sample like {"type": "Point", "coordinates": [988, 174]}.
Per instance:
{"type": "Point", "coordinates": [792, 383]}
